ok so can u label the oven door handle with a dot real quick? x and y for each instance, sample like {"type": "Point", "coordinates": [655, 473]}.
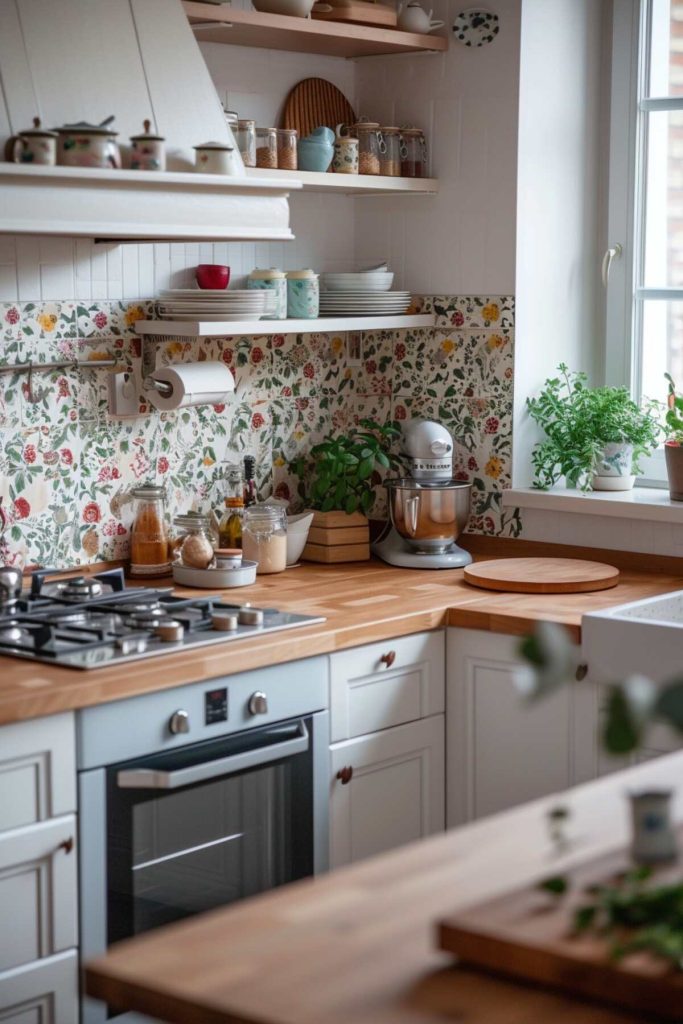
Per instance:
{"type": "Point", "coordinates": [148, 778]}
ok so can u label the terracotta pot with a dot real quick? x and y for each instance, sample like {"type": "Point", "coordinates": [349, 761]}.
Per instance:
{"type": "Point", "coordinates": [673, 452]}
{"type": "Point", "coordinates": [613, 471]}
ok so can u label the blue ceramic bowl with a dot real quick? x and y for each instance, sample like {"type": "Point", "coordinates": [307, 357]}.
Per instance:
{"type": "Point", "coordinates": [313, 155]}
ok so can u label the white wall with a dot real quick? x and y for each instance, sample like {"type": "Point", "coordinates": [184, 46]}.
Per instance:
{"type": "Point", "coordinates": [558, 209]}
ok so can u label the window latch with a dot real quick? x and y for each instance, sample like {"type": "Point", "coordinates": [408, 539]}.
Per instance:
{"type": "Point", "coordinates": [611, 254]}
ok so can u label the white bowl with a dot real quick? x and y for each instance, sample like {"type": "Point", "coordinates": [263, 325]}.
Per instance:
{"type": "Point", "coordinates": [297, 535]}
{"type": "Point", "coordinates": [354, 282]}
{"type": "Point", "coordinates": [295, 8]}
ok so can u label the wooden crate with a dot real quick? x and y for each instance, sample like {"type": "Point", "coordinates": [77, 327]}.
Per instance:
{"type": "Point", "coordinates": [336, 537]}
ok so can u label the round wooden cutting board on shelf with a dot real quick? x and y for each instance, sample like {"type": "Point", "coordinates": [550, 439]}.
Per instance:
{"type": "Point", "coordinates": [315, 102]}
{"type": "Point", "coordinates": [542, 575]}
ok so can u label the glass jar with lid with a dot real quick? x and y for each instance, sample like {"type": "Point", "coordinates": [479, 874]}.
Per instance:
{"type": "Point", "coordinates": [192, 544]}
{"type": "Point", "coordinates": [266, 147]}
{"type": "Point", "coordinates": [286, 149]}
{"type": "Point", "coordinates": [245, 137]}
{"type": "Point", "coordinates": [413, 153]}
{"type": "Point", "coordinates": [149, 538]}
{"type": "Point", "coordinates": [390, 152]}
{"type": "Point", "coordinates": [264, 538]}
{"type": "Point", "coordinates": [367, 133]}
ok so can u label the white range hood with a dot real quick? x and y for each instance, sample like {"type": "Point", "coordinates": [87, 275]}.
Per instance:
{"type": "Point", "coordinates": [81, 60]}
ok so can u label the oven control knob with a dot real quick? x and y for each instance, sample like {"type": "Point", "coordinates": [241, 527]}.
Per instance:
{"type": "Point", "coordinates": [258, 703]}
{"type": "Point", "coordinates": [179, 722]}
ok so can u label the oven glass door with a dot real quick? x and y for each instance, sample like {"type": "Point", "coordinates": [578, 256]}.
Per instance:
{"type": "Point", "coordinates": [207, 824]}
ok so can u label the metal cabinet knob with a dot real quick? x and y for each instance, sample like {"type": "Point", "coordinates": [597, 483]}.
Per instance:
{"type": "Point", "coordinates": [345, 774]}
{"type": "Point", "coordinates": [258, 703]}
{"type": "Point", "coordinates": [581, 671]}
{"type": "Point", "coordinates": [179, 722]}
{"type": "Point", "coordinates": [388, 659]}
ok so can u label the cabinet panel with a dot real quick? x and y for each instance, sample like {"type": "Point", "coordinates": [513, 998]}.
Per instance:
{"type": "Point", "coordinates": [42, 993]}
{"type": "Point", "coordinates": [501, 751]}
{"type": "Point", "coordinates": [37, 770]}
{"type": "Point", "coordinates": [379, 686]}
{"type": "Point", "coordinates": [395, 794]}
{"type": "Point", "coordinates": [38, 895]}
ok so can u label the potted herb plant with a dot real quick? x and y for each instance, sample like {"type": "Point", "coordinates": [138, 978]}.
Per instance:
{"type": "Point", "coordinates": [594, 436]}
{"type": "Point", "coordinates": [673, 446]}
{"type": "Point", "coordinates": [337, 479]}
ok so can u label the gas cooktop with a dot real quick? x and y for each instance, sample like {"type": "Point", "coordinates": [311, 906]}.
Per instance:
{"type": "Point", "coordinates": [88, 622]}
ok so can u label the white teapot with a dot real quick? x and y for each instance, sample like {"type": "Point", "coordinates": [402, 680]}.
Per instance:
{"type": "Point", "coordinates": [413, 18]}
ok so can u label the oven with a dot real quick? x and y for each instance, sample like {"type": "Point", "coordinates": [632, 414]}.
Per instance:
{"type": "Point", "coordinates": [199, 796]}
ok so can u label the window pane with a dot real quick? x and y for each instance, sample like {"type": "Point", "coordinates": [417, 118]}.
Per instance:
{"type": "Point", "coordinates": [664, 201]}
{"type": "Point", "coordinates": [662, 349]}
{"type": "Point", "coordinates": [666, 48]}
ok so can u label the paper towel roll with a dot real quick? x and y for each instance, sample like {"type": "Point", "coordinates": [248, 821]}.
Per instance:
{"type": "Point", "coordinates": [191, 384]}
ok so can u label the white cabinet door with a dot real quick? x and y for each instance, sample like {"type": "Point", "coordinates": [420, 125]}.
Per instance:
{"type": "Point", "coordinates": [378, 686]}
{"type": "Point", "coordinates": [38, 891]}
{"type": "Point", "coordinates": [501, 751]}
{"type": "Point", "coordinates": [393, 793]}
{"type": "Point", "coordinates": [42, 993]}
{"type": "Point", "coordinates": [37, 770]}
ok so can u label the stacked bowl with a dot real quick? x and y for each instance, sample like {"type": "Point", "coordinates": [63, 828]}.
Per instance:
{"type": "Point", "coordinates": [367, 293]}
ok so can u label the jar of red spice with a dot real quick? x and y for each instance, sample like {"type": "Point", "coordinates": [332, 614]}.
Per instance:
{"type": "Point", "coordinates": [149, 538]}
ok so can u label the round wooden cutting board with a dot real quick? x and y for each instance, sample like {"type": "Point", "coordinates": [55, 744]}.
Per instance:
{"type": "Point", "coordinates": [315, 102]}
{"type": "Point", "coordinates": [542, 575]}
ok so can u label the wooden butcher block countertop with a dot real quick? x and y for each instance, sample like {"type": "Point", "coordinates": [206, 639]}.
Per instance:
{"type": "Point", "coordinates": [362, 602]}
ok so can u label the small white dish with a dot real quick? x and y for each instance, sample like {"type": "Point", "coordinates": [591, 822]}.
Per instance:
{"type": "Point", "coordinates": [212, 579]}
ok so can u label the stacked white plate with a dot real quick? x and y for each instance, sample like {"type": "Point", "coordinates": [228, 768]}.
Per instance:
{"type": "Point", "coordinates": [368, 280]}
{"type": "Point", "coordinates": [364, 303]}
{"type": "Point", "coordinates": [187, 304]}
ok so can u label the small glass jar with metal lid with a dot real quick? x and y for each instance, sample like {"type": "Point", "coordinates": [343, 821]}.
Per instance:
{"type": "Point", "coordinates": [286, 149]}
{"type": "Point", "coordinates": [245, 137]}
{"type": "Point", "coordinates": [192, 543]}
{"type": "Point", "coordinates": [413, 153]}
{"type": "Point", "coordinates": [390, 151]}
{"type": "Point", "coordinates": [149, 538]}
{"type": "Point", "coordinates": [367, 133]}
{"type": "Point", "coordinates": [264, 537]}
{"type": "Point", "coordinates": [266, 147]}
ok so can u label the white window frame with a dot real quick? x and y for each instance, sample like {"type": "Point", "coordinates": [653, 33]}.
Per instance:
{"type": "Point", "coordinates": [626, 201]}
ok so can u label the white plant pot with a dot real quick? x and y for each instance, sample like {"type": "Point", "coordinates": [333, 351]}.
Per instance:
{"type": "Point", "coordinates": [613, 471]}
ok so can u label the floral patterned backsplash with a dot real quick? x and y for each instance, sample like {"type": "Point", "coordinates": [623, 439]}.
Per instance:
{"type": "Point", "coordinates": [67, 466]}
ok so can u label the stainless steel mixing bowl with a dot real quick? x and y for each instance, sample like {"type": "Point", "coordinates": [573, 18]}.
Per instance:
{"type": "Point", "coordinates": [430, 517]}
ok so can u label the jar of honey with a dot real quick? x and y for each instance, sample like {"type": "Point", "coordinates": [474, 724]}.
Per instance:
{"type": "Point", "coordinates": [149, 538]}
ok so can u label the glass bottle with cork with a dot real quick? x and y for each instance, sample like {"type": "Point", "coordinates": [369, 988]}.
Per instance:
{"type": "Point", "coordinates": [230, 526]}
{"type": "Point", "coordinates": [249, 480]}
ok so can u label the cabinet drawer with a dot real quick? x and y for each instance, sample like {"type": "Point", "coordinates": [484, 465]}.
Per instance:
{"type": "Point", "coordinates": [41, 993]}
{"type": "Point", "coordinates": [38, 891]}
{"type": "Point", "coordinates": [37, 770]}
{"type": "Point", "coordinates": [386, 684]}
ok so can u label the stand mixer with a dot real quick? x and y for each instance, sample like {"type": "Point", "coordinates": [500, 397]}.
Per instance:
{"type": "Point", "coordinates": [428, 509]}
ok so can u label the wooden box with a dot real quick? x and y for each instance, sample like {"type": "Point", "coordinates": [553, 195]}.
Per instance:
{"type": "Point", "coordinates": [337, 537]}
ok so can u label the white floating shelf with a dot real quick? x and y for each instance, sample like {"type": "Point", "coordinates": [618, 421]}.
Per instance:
{"type": "Point", "coordinates": [348, 184]}
{"type": "Point", "coordinates": [219, 329]}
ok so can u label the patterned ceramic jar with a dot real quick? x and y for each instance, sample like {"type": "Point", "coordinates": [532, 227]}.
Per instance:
{"type": "Point", "coordinates": [88, 145]}
{"type": "Point", "coordinates": [34, 146]}
{"type": "Point", "coordinates": [271, 280]}
{"type": "Point", "coordinates": [303, 295]}
{"type": "Point", "coordinates": [148, 152]}
{"type": "Point", "coordinates": [345, 159]}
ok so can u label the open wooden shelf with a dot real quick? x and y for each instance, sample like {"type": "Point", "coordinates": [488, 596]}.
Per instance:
{"type": "Point", "coordinates": [225, 24]}
{"type": "Point", "coordinates": [348, 184]}
{"type": "Point", "coordinates": [219, 329]}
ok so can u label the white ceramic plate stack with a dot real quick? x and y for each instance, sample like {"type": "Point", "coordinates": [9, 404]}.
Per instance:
{"type": "Point", "coordinates": [188, 304]}
{"type": "Point", "coordinates": [367, 293]}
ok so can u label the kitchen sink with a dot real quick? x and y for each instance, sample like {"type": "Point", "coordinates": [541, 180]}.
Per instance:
{"type": "Point", "coordinates": [644, 637]}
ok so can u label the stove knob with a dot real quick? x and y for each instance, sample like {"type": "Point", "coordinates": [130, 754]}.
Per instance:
{"type": "Point", "coordinates": [223, 622]}
{"type": "Point", "coordinates": [250, 616]}
{"type": "Point", "coordinates": [179, 722]}
{"type": "Point", "coordinates": [258, 703]}
{"type": "Point", "coordinates": [169, 630]}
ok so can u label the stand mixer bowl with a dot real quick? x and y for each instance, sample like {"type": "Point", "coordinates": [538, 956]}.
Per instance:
{"type": "Point", "coordinates": [429, 516]}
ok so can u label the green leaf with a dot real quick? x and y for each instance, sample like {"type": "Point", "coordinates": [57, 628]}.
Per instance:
{"type": "Point", "coordinates": [365, 469]}
{"type": "Point", "coordinates": [622, 733]}
{"type": "Point", "coordinates": [366, 501]}
{"type": "Point", "coordinates": [557, 885]}
{"type": "Point", "coordinates": [669, 705]}
{"type": "Point", "coordinates": [351, 504]}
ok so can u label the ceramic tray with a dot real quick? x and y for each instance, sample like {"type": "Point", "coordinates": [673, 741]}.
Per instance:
{"type": "Point", "coordinates": [213, 579]}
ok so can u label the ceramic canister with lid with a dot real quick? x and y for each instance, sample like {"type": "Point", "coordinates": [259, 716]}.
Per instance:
{"type": "Point", "coordinates": [303, 295]}
{"type": "Point", "coordinates": [88, 145]}
{"type": "Point", "coordinates": [272, 280]}
{"type": "Point", "coordinates": [218, 158]}
{"type": "Point", "coordinates": [148, 150]}
{"type": "Point", "coordinates": [36, 145]}
{"type": "Point", "coordinates": [345, 159]}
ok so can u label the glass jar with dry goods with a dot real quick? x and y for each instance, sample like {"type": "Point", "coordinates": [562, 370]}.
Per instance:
{"type": "Point", "coordinates": [245, 137]}
{"type": "Point", "coordinates": [390, 152]}
{"type": "Point", "coordinates": [149, 537]}
{"type": "Point", "coordinates": [192, 543]}
{"type": "Point", "coordinates": [264, 537]}
{"type": "Point", "coordinates": [286, 148]}
{"type": "Point", "coordinates": [413, 153]}
{"type": "Point", "coordinates": [367, 133]}
{"type": "Point", "coordinates": [266, 147]}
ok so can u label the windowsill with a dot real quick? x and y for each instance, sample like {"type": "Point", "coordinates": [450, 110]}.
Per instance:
{"type": "Point", "coordinates": [645, 503]}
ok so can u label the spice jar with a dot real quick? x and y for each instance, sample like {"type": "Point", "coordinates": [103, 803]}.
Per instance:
{"type": "Point", "coordinates": [286, 148]}
{"type": "Point", "coordinates": [192, 545]}
{"type": "Point", "coordinates": [149, 540]}
{"type": "Point", "coordinates": [230, 526]}
{"type": "Point", "coordinates": [390, 152]}
{"type": "Point", "coordinates": [413, 153]}
{"type": "Point", "coordinates": [266, 147]}
{"type": "Point", "coordinates": [264, 538]}
{"type": "Point", "coordinates": [367, 133]}
{"type": "Point", "coordinates": [245, 137]}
